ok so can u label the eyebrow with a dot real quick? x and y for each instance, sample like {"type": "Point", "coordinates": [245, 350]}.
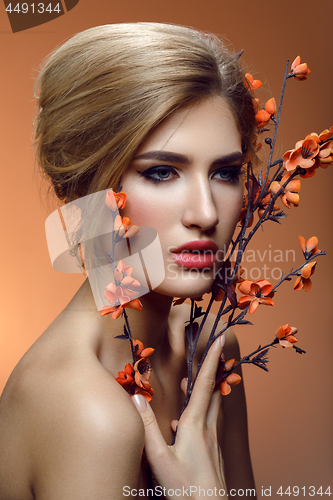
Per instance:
{"type": "Point", "coordinates": [178, 158]}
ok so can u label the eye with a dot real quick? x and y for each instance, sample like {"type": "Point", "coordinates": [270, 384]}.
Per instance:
{"type": "Point", "coordinates": [230, 174]}
{"type": "Point", "coordinates": [161, 173]}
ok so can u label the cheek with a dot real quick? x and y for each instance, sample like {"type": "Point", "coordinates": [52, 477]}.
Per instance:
{"type": "Point", "coordinates": [147, 211]}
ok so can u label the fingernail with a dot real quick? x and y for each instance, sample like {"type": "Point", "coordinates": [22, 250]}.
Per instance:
{"type": "Point", "coordinates": [140, 402]}
{"type": "Point", "coordinates": [183, 384]}
{"type": "Point", "coordinates": [222, 340]}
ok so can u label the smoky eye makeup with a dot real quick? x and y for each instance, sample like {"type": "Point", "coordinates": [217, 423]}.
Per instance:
{"type": "Point", "coordinates": [230, 174]}
{"type": "Point", "coordinates": [157, 174]}
{"type": "Point", "coordinates": [227, 169]}
{"type": "Point", "coordinates": [163, 173]}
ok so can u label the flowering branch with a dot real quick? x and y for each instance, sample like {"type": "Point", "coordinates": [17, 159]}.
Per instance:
{"type": "Point", "coordinates": [263, 193]}
{"type": "Point", "coordinates": [120, 294]}
{"type": "Point", "coordinates": [313, 152]}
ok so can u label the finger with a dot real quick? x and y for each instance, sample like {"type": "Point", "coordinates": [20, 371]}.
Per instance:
{"type": "Point", "coordinates": [174, 425]}
{"type": "Point", "coordinates": [214, 409]}
{"type": "Point", "coordinates": [205, 383]}
{"type": "Point", "coordinates": [222, 468]}
{"type": "Point", "coordinates": [183, 385]}
{"type": "Point", "coordinates": [155, 446]}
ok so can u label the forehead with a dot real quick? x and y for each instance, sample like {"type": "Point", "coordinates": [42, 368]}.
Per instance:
{"type": "Point", "coordinates": [209, 126]}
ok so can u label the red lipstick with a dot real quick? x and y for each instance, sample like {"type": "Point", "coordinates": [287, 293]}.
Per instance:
{"type": "Point", "coordinates": [197, 254]}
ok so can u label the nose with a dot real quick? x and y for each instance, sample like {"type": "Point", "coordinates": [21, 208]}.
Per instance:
{"type": "Point", "coordinates": [199, 207]}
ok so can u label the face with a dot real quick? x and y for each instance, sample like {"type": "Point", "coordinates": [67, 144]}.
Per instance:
{"type": "Point", "coordinates": [185, 181]}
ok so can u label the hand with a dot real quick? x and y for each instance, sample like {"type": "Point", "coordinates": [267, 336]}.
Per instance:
{"type": "Point", "coordinates": [195, 458]}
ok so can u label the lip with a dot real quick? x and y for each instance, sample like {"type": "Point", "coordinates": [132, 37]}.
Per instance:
{"type": "Point", "coordinates": [197, 254]}
{"type": "Point", "coordinates": [199, 245]}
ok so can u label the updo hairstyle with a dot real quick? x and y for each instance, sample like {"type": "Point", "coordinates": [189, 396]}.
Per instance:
{"type": "Point", "coordinates": [105, 89]}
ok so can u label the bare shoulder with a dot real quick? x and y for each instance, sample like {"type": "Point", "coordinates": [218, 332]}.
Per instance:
{"type": "Point", "coordinates": [67, 427]}
{"type": "Point", "coordinates": [94, 424]}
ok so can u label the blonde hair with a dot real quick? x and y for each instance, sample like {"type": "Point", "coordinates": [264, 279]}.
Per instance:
{"type": "Point", "coordinates": [105, 89]}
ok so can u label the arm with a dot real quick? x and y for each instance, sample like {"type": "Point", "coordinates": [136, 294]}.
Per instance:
{"type": "Point", "coordinates": [194, 461]}
{"type": "Point", "coordinates": [232, 421]}
{"type": "Point", "coordinates": [233, 431]}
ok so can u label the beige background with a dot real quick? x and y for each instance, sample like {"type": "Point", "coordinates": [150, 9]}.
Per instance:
{"type": "Point", "coordinates": [290, 408]}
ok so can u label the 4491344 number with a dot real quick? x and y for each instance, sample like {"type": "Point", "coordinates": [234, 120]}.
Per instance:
{"type": "Point", "coordinates": [311, 491]}
{"type": "Point", "coordinates": [38, 8]}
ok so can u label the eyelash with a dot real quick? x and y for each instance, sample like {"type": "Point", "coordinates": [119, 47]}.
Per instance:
{"type": "Point", "coordinates": [149, 172]}
{"type": "Point", "coordinates": [233, 172]}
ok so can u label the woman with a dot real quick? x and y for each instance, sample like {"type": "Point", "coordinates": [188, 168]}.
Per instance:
{"type": "Point", "coordinates": [163, 110]}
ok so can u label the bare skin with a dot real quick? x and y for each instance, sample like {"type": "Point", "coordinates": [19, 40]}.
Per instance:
{"type": "Point", "coordinates": [67, 428]}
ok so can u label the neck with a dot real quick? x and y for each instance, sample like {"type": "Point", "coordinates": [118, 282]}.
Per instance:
{"type": "Point", "coordinates": [150, 326]}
